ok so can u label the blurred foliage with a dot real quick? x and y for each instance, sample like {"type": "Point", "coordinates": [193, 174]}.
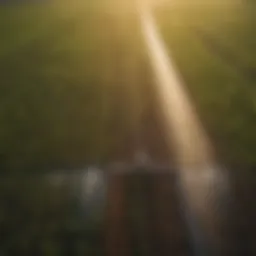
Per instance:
{"type": "Point", "coordinates": [71, 83]}
{"type": "Point", "coordinates": [38, 217]}
{"type": "Point", "coordinates": [213, 45]}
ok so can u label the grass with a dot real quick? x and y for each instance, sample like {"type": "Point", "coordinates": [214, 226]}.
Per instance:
{"type": "Point", "coordinates": [39, 218]}
{"type": "Point", "coordinates": [224, 95]}
{"type": "Point", "coordinates": [71, 83]}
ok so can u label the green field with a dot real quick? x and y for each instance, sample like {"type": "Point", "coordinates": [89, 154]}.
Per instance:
{"type": "Point", "coordinates": [71, 82]}
{"type": "Point", "coordinates": [213, 45]}
{"type": "Point", "coordinates": [73, 78]}
{"type": "Point", "coordinates": [74, 86]}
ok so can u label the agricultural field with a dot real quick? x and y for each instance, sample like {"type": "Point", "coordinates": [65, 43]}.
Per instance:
{"type": "Point", "coordinates": [75, 89]}
{"type": "Point", "coordinates": [71, 82]}
{"type": "Point", "coordinates": [59, 108]}
{"type": "Point", "coordinates": [213, 45]}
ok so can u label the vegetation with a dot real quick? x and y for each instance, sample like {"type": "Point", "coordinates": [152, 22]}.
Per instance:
{"type": "Point", "coordinates": [39, 217]}
{"type": "Point", "coordinates": [213, 46]}
{"type": "Point", "coordinates": [71, 83]}
{"type": "Point", "coordinates": [71, 91]}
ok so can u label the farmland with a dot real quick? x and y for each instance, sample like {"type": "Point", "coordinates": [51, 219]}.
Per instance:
{"type": "Point", "coordinates": [213, 45]}
{"type": "Point", "coordinates": [69, 72]}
